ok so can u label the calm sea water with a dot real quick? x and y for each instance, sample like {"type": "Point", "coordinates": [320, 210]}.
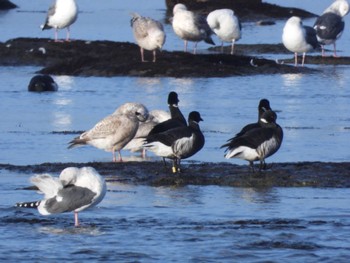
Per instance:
{"type": "Point", "coordinates": [187, 224]}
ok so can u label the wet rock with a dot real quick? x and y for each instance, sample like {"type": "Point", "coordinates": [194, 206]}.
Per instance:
{"type": "Point", "coordinates": [107, 58]}
{"type": "Point", "coordinates": [303, 174]}
{"type": "Point", "coordinates": [247, 10]}
{"type": "Point", "coordinates": [42, 83]}
{"type": "Point", "coordinates": [6, 5]}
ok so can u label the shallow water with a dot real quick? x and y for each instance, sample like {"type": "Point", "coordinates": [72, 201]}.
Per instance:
{"type": "Point", "coordinates": [189, 224]}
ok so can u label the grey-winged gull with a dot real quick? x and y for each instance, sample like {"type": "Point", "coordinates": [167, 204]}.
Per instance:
{"type": "Point", "coordinates": [225, 25]}
{"type": "Point", "coordinates": [178, 143]}
{"type": "Point", "coordinates": [190, 26]}
{"type": "Point", "coordinates": [298, 38]}
{"type": "Point", "coordinates": [61, 14]}
{"type": "Point", "coordinates": [114, 131]}
{"type": "Point", "coordinates": [330, 25]}
{"type": "Point", "coordinates": [257, 144]}
{"type": "Point", "coordinates": [149, 34]}
{"type": "Point", "coordinates": [76, 189]}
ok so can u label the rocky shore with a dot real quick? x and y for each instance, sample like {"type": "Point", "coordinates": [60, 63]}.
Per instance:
{"type": "Point", "coordinates": [303, 174]}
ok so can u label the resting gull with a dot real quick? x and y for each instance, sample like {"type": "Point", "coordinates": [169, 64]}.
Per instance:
{"type": "Point", "coordinates": [74, 190]}
{"type": "Point", "coordinates": [225, 25]}
{"type": "Point", "coordinates": [149, 34]}
{"type": "Point", "coordinates": [190, 26]}
{"type": "Point", "coordinates": [114, 131]}
{"type": "Point", "coordinates": [330, 25]}
{"type": "Point", "coordinates": [257, 144]}
{"type": "Point", "coordinates": [298, 38]}
{"type": "Point", "coordinates": [178, 143]}
{"type": "Point", "coordinates": [61, 14]}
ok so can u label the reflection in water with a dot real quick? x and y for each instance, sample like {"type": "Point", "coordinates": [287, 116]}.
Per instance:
{"type": "Point", "coordinates": [62, 121]}
{"type": "Point", "coordinates": [64, 82]}
{"type": "Point", "coordinates": [259, 195]}
{"type": "Point", "coordinates": [292, 80]}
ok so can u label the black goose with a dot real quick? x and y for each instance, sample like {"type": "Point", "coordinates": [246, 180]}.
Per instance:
{"type": "Point", "coordinates": [257, 144]}
{"type": "Point", "coordinates": [178, 143]}
{"type": "Point", "coordinates": [176, 120]}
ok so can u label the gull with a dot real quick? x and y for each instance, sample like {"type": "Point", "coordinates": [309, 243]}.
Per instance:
{"type": "Point", "coordinates": [330, 25]}
{"type": "Point", "coordinates": [149, 34]}
{"type": "Point", "coordinates": [190, 26]}
{"type": "Point", "coordinates": [225, 25]}
{"type": "Point", "coordinates": [62, 14]}
{"type": "Point", "coordinates": [298, 38]}
{"type": "Point", "coordinates": [75, 190]}
{"type": "Point", "coordinates": [114, 131]}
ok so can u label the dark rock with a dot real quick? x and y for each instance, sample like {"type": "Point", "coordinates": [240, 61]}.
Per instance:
{"type": "Point", "coordinates": [246, 10]}
{"type": "Point", "coordinates": [41, 83]}
{"type": "Point", "coordinates": [303, 174]}
{"type": "Point", "coordinates": [6, 5]}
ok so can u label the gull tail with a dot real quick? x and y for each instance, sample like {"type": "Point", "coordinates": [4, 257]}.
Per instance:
{"type": "Point", "coordinates": [34, 204]}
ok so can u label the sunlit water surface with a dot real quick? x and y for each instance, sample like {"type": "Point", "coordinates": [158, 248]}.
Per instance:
{"type": "Point", "coordinates": [189, 224]}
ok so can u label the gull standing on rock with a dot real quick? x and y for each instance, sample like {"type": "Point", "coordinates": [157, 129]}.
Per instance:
{"type": "Point", "coordinates": [226, 26]}
{"type": "Point", "coordinates": [330, 25]}
{"type": "Point", "coordinates": [190, 26]}
{"type": "Point", "coordinates": [114, 131]}
{"type": "Point", "coordinates": [75, 190]}
{"type": "Point", "coordinates": [149, 34]}
{"type": "Point", "coordinates": [61, 14]}
{"type": "Point", "coordinates": [298, 38]}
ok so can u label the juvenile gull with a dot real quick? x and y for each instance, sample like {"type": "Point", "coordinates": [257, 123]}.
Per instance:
{"type": "Point", "coordinates": [62, 14]}
{"type": "Point", "coordinates": [226, 26]}
{"type": "Point", "coordinates": [73, 191]}
{"type": "Point", "coordinates": [190, 26]}
{"type": "Point", "coordinates": [114, 131]}
{"type": "Point", "coordinates": [154, 117]}
{"type": "Point", "coordinates": [298, 38]}
{"type": "Point", "coordinates": [257, 144]}
{"type": "Point", "coordinates": [330, 25]}
{"type": "Point", "coordinates": [178, 143]}
{"type": "Point", "coordinates": [149, 34]}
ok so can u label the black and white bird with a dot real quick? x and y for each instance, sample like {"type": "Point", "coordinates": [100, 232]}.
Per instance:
{"type": "Point", "coordinates": [154, 117]}
{"type": "Point", "coordinates": [149, 34]}
{"type": "Point", "coordinates": [190, 26]}
{"type": "Point", "coordinates": [330, 25]}
{"type": "Point", "coordinates": [62, 14]}
{"type": "Point", "coordinates": [114, 131]}
{"type": "Point", "coordinates": [178, 143]}
{"type": "Point", "coordinates": [75, 190]}
{"type": "Point", "coordinates": [264, 105]}
{"type": "Point", "coordinates": [177, 119]}
{"type": "Point", "coordinates": [298, 38]}
{"type": "Point", "coordinates": [257, 144]}
{"type": "Point", "coordinates": [226, 26]}
{"type": "Point", "coordinates": [42, 83]}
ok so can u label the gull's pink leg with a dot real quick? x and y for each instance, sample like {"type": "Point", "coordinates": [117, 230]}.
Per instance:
{"type": "Point", "coordinates": [154, 55]}
{"type": "Point", "coordinates": [335, 50]}
{"type": "Point", "coordinates": [232, 46]}
{"type": "Point", "coordinates": [296, 59]}
{"type": "Point", "coordinates": [185, 43]}
{"type": "Point", "coordinates": [120, 156]}
{"type": "Point", "coordinates": [142, 55]}
{"type": "Point", "coordinates": [195, 48]}
{"type": "Point", "coordinates": [302, 64]}
{"type": "Point", "coordinates": [68, 34]}
{"type": "Point", "coordinates": [76, 219]}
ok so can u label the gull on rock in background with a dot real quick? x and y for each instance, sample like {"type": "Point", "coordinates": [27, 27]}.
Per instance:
{"type": "Point", "coordinates": [114, 131]}
{"type": "Point", "coordinates": [149, 34]}
{"type": "Point", "coordinates": [190, 26]}
{"type": "Point", "coordinates": [330, 25]}
{"type": "Point", "coordinates": [62, 14]}
{"type": "Point", "coordinates": [298, 38]}
{"type": "Point", "coordinates": [258, 143]}
{"type": "Point", "coordinates": [76, 189]}
{"type": "Point", "coordinates": [226, 26]}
